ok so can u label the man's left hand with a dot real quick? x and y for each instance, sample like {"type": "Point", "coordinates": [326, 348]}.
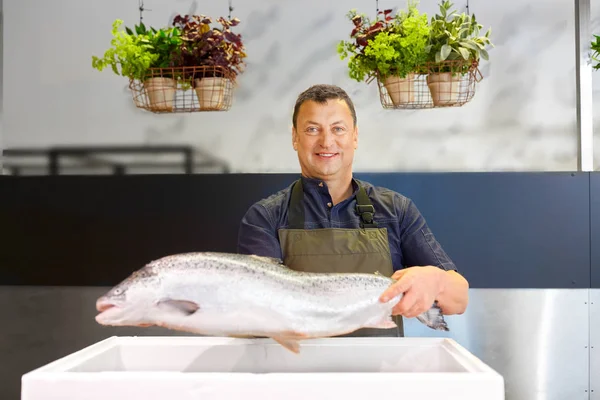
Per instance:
{"type": "Point", "coordinates": [420, 285]}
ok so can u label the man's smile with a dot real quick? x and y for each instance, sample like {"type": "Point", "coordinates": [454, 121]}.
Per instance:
{"type": "Point", "coordinates": [327, 155]}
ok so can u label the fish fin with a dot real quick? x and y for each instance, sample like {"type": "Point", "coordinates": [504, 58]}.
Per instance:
{"type": "Point", "coordinates": [272, 260]}
{"type": "Point", "coordinates": [290, 340]}
{"type": "Point", "coordinates": [184, 306]}
{"type": "Point", "coordinates": [434, 318]}
{"type": "Point", "coordinates": [290, 344]}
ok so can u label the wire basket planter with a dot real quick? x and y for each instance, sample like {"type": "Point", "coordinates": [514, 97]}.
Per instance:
{"type": "Point", "coordinates": [449, 83]}
{"type": "Point", "coordinates": [184, 89]}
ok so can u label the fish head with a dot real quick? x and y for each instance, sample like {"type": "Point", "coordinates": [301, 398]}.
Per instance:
{"type": "Point", "coordinates": [131, 302]}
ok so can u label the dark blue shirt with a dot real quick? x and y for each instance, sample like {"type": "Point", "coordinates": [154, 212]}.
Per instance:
{"type": "Point", "coordinates": [411, 241]}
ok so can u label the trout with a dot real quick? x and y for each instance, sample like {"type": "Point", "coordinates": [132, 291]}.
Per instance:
{"type": "Point", "coordinates": [237, 295]}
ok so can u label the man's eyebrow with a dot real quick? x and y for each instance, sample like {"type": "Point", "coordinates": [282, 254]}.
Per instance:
{"type": "Point", "coordinates": [316, 123]}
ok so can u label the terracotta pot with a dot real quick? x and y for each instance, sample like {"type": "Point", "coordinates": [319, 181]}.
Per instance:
{"type": "Point", "coordinates": [444, 88]}
{"type": "Point", "coordinates": [161, 92]}
{"type": "Point", "coordinates": [401, 90]}
{"type": "Point", "coordinates": [211, 92]}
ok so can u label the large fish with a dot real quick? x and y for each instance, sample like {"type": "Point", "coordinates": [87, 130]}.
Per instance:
{"type": "Point", "coordinates": [220, 294]}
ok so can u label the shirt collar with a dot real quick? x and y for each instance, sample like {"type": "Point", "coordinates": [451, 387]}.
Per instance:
{"type": "Point", "coordinates": [317, 184]}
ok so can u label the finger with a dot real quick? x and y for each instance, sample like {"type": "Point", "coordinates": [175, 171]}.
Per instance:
{"type": "Point", "coordinates": [398, 274]}
{"type": "Point", "coordinates": [406, 303]}
{"type": "Point", "coordinates": [397, 288]}
{"type": "Point", "coordinates": [415, 310]}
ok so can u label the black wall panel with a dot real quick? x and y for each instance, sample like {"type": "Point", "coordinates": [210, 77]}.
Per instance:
{"type": "Point", "coordinates": [595, 229]}
{"type": "Point", "coordinates": [506, 230]}
{"type": "Point", "coordinates": [503, 230]}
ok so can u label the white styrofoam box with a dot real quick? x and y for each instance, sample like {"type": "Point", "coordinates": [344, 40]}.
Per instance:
{"type": "Point", "coordinates": [203, 368]}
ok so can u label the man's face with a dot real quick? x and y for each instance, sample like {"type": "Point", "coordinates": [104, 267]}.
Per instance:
{"type": "Point", "coordinates": [325, 139]}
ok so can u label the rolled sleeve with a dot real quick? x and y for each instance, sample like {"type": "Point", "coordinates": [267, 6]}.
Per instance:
{"type": "Point", "coordinates": [257, 234]}
{"type": "Point", "coordinates": [419, 245]}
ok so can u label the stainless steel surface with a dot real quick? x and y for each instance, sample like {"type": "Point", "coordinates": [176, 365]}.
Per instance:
{"type": "Point", "coordinates": [583, 79]}
{"type": "Point", "coordinates": [535, 338]}
{"type": "Point", "coordinates": [595, 344]}
{"type": "Point", "coordinates": [42, 324]}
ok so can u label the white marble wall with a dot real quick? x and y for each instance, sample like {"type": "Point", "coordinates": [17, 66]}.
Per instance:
{"type": "Point", "coordinates": [523, 116]}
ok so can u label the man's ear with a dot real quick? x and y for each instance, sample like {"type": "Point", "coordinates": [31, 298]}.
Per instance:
{"type": "Point", "coordinates": [355, 138]}
{"type": "Point", "coordinates": [294, 139]}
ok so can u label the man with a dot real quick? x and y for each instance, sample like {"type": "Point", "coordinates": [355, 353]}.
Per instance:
{"type": "Point", "coordinates": [327, 221]}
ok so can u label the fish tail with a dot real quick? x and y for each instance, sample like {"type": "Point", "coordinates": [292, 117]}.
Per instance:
{"type": "Point", "coordinates": [434, 318]}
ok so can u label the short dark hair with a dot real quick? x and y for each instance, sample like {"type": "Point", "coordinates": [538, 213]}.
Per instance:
{"type": "Point", "coordinates": [320, 94]}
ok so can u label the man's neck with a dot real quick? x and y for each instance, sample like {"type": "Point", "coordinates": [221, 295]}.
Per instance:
{"type": "Point", "coordinates": [339, 188]}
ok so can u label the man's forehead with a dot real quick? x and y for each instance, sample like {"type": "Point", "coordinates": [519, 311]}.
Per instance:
{"type": "Point", "coordinates": [311, 106]}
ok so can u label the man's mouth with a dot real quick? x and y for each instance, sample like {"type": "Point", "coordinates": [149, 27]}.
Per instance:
{"type": "Point", "coordinates": [327, 155]}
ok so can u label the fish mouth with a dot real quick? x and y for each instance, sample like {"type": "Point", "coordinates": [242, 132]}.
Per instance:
{"type": "Point", "coordinates": [108, 312]}
{"type": "Point", "coordinates": [103, 305]}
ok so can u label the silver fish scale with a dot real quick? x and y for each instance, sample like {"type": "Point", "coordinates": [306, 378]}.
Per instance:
{"type": "Point", "coordinates": [261, 268]}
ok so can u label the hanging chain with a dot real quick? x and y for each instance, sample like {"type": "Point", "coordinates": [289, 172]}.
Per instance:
{"type": "Point", "coordinates": [377, 8]}
{"type": "Point", "coordinates": [142, 9]}
{"type": "Point", "coordinates": [230, 9]}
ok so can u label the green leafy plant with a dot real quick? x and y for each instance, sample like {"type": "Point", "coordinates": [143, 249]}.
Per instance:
{"type": "Point", "coordinates": [456, 37]}
{"type": "Point", "coordinates": [130, 55]}
{"type": "Point", "coordinates": [595, 47]}
{"type": "Point", "coordinates": [391, 46]}
{"type": "Point", "coordinates": [164, 42]}
{"type": "Point", "coordinates": [136, 51]}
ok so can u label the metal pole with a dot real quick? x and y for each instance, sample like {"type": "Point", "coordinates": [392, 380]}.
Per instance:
{"type": "Point", "coordinates": [2, 138]}
{"type": "Point", "coordinates": [583, 73]}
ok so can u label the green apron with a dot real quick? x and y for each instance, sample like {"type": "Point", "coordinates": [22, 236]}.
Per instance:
{"type": "Point", "coordinates": [364, 250]}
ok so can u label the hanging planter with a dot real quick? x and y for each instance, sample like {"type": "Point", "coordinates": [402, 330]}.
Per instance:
{"type": "Point", "coordinates": [401, 90]}
{"type": "Point", "coordinates": [161, 92]}
{"type": "Point", "coordinates": [444, 87]}
{"type": "Point", "coordinates": [188, 67]}
{"type": "Point", "coordinates": [389, 49]}
{"type": "Point", "coordinates": [443, 84]}
{"type": "Point", "coordinates": [211, 92]}
{"type": "Point", "coordinates": [203, 88]}
{"type": "Point", "coordinates": [417, 64]}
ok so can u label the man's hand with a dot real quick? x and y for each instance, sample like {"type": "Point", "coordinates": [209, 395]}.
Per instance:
{"type": "Point", "coordinates": [421, 287]}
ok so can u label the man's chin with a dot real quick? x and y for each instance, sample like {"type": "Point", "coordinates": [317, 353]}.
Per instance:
{"type": "Point", "coordinates": [325, 170]}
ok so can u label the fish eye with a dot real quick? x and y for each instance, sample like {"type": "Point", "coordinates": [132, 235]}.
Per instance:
{"type": "Point", "coordinates": [118, 291]}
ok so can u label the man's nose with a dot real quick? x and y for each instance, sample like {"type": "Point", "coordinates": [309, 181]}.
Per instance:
{"type": "Point", "coordinates": [326, 139]}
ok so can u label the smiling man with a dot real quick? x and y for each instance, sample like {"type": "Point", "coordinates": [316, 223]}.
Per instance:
{"type": "Point", "coordinates": [328, 221]}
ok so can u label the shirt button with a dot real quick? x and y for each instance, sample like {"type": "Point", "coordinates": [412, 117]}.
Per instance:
{"type": "Point", "coordinates": [320, 184]}
{"type": "Point", "coordinates": [328, 204]}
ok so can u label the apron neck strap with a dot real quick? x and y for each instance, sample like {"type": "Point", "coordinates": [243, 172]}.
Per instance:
{"type": "Point", "coordinates": [364, 208]}
{"type": "Point", "coordinates": [296, 213]}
